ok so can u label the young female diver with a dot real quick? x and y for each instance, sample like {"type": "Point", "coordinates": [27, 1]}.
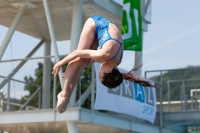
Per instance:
{"type": "Point", "coordinates": [100, 41]}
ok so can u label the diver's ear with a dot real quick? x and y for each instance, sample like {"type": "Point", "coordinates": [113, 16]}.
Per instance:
{"type": "Point", "coordinates": [107, 70]}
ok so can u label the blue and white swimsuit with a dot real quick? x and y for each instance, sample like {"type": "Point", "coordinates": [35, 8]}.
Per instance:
{"type": "Point", "coordinates": [102, 33]}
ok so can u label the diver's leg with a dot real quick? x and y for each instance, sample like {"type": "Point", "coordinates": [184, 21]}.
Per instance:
{"type": "Point", "coordinates": [87, 35]}
{"type": "Point", "coordinates": [78, 64]}
{"type": "Point", "coordinates": [70, 72]}
{"type": "Point", "coordinates": [85, 62]}
{"type": "Point", "coordinates": [87, 41]}
{"type": "Point", "coordinates": [62, 104]}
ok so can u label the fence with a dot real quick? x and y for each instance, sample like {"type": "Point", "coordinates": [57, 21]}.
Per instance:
{"type": "Point", "coordinates": [178, 92]}
{"type": "Point", "coordinates": [15, 91]}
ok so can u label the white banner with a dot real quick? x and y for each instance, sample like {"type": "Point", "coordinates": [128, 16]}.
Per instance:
{"type": "Point", "coordinates": [148, 6]}
{"type": "Point", "coordinates": [128, 98]}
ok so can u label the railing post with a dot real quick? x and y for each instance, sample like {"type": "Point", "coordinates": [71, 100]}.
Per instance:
{"type": "Point", "coordinates": [92, 87]}
{"type": "Point", "coordinates": [30, 98]}
{"type": "Point", "coordinates": [8, 97]}
{"type": "Point", "coordinates": [161, 105]}
{"type": "Point", "coordinates": [185, 101]}
{"type": "Point", "coordinates": [1, 100]}
{"type": "Point", "coordinates": [195, 105]}
{"type": "Point", "coordinates": [39, 99]}
{"type": "Point", "coordinates": [46, 76]}
{"type": "Point", "coordinates": [168, 89]}
{"type": "Point", "coordinates": [192, 102]}
{"type": "Point", "coordinates": [183, 94]}
{"type": "Point", "coordinates": [54, 92]}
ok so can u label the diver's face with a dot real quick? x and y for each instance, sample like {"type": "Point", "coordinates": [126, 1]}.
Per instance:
{"type": "Point", "coordinates": [105, 68]}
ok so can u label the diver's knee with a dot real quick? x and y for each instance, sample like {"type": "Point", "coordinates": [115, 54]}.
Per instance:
{"type": "Point", "coordinates": [90, 23]}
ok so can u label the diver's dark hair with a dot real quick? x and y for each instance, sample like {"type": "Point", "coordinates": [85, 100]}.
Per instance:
{"type": "Point", "coordinates": [112, 79]}
{"type": "Point", "coordinates": [115, 78]}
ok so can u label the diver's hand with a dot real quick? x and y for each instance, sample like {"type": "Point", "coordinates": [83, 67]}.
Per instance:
{"type": "Point", "coordinates": [56, 69]}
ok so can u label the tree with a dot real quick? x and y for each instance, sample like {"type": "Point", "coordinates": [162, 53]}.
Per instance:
{"type": "Point", "coordinates": [85, 82]}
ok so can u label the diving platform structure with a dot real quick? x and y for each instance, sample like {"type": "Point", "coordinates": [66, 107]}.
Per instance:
{"type": "Point", "coordinates": [52, 21]}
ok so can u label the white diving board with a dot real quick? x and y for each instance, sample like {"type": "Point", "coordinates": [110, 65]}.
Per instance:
{"type": "Point", "coordinates": [48, 121]}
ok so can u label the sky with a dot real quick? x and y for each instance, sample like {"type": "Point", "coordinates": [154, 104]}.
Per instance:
{"type": "Point", "coordinates": [171, 42]}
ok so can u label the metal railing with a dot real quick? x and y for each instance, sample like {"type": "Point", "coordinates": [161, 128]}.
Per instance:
{"type": "Point", "coordinates": [165, 102]}
{"type": "Point", "coordinates": [15, 91]}
{"type": "Point", "coordinates": [187, 100]}
{"type": "Point", "coordinates": [11, 102]}
{"type": "Point", "coordinates": [180, 87]}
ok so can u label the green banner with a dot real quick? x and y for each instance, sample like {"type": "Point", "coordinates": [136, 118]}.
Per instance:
{"type": "Point", "coordinates": [132, 25]}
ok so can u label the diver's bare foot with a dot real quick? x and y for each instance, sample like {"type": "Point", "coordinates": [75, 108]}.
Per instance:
{"type": "Point", "coordinates": [62, 103]}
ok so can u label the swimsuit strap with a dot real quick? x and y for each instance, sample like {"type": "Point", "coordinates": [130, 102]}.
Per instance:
{"type": "Point", "coordinates": [117, 51]}
{"type": "Point", "coordinates": [102, 25]}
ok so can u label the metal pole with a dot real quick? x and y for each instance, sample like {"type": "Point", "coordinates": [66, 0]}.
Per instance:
{"type": "Point", "coordinates": [20, 65]}
{"type": "Point", "coordinates": [46, 76]}
{"type": "Point", "coordinates": [20, 105]}
{"type": "Point", "coordinates": [72, 127]}
{"type": "Point", "coordinates": [183, 95]}
{"type": "Point", "coordinates": [54, 96]}
{"type": "Point", "coordinates": [21, 81]}
{"type": "Point", "coordinates": [185, 99]}
{"type": "Point", "coordinates": [138, 62]}
{"type": "Point", "coordinates": [12, 29]}
{"type": "Point", "coordinates": [8, 97]}
{"type": "Point", "coordinates": [54, 92]}
{"type": "Point", "coordinates": [145, 74]}
{"type": "Point", "coordinates": [138, 54]}
{"type": "Point", "coordinates": [53, 37]}
{"type": "Point", "coordinates": [195, 105]}
{"type": "Point", "coordinates": [39, 99]}
{"type": "Point", "coordinates": [168, 88]}
{"type": "Point", "coordinates": [1, 100]}
{"type": "Point", "coordinates": [84, 96]}
{"type": "Point", "coordinates": [75, 34]}
{"type": "Point", "coordinates": [93, 86]}
{"type": "Point", "coordinates": [161, 105]}
{"type": "Point", "coordinates": [30, 98]}
{"type": "Point", "coordinates": [192, 103]}
{"type": "Point", "coordinates": [76, 24]}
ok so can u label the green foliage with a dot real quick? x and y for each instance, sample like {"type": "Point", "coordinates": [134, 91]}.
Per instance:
{"type": "Point", "coordinates": [85, 82]}
{"type": "Point", "coordinates": [38, 80]}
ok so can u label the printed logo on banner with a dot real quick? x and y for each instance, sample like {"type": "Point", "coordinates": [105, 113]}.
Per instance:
{"type": "Point", "coordinates": [136, 92]}
{"type": "Point", "coordinates": [124, 90]}
{"type": "Point", "coordinates": [150, 100]}
{"type": "Point", "coordinates": [128, 98]}
{"type": "Point", "coordinates": [139, 93]}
